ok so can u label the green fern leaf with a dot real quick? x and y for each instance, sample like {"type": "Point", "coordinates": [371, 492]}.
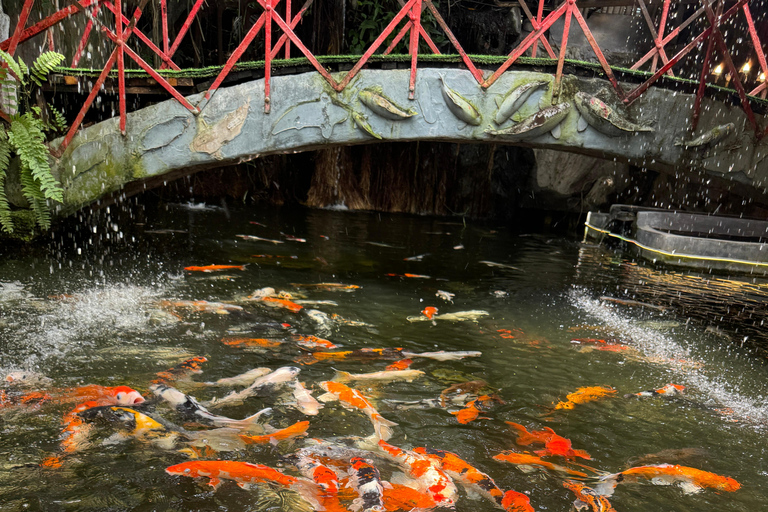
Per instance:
{"type": "Point", "coordinates": [30, 188]}
{"type": "Point", "coordinates": [18, 68]}
{"type": "Point", "coordinates": [26, 137]}
{"type": "Point", "coordinates": [6, 223]}
{"type": "Point", "coordinates": [57, 120]}
{"type": "Point", "coordinates": [43, 65]}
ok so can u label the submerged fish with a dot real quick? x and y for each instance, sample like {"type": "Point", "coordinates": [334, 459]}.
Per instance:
{"type": "Point", "coordinates": [459, 106]}
{"type": "Point", "coordinates": [603, 118]}
{"type": "Point", "coordinates": [447, 296]}
{"type": "Point", "coordinates": [553, 443]}
{"type": "Point", "coordinates": [586, 497]}
{"type": "Point", "coordinates": [585, 394]}
{"type": "Point", "coordinates": [515, 98]}
{"type": "Point", "coordinates": [472, 386]}
{"type": "Point", "coordinates": [691, 480]}
{"type": "Point", "coordinates": [201, 306]}
{"type": "Point", "coordinates": [310, 341]}
{"type": "Point", "coordinates": [282, 303]}
{"type": "Point", "coordinates": [244, 379]}
{"type": "Point", "coordinates": [526, 460]}
{"type": "Point", "coordinates": [459, 316]}
{"type": "Point", "coordinates": [27, 379]}
{"type": "Point", "coordinates": [499, 265]}
{"type": "Point", "coordinates": [182, 371]}
{"type": "Point", "coordinates": [442, 355]}
{"type": "Point", "coordinates": [215, 268]}
{"type": "Point", "coordinates": [543, 121]}
{"type": "Point", "coordinates": [305, 402]}
{"type": "Point", "coordinates": [251, 342]}
{"type": "Point", "coordinates": [668, 390]}
{"type": "Point", "coordinates": [262, 386]}
{"type": "Point", "coordinates": [429, 312]}
{"type": "Point", "coordinates": [259, 239]}
{"type": "Point", "coordinates": [402, 364]}
{"type": "Point", "coordinates": [298, 429]}
{"type": "Point", "coordinates": [709, 138]}
{"type": "Point", "coordinates": [329, 287]}
{"type": "Point", "coordinates": [353, 399]}
{"type": "Point", "coordinates": [383, 376]}
{"type": "Point", "coordinates": [374, 99]}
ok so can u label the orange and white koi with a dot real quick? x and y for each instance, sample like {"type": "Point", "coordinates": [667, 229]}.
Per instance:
{"type": "Point", "coordinates": [412, 276]}
{"type": "Point", "coordinates": [353, 399]}
{"type": "Point", "coordinates": [514, 501]}
{"type": "Point", "coordinates": [431, 479]}
{"type": "Point", "coordinates": [471, 386]}
{"type": "Point", "coordinates": [298, 429]}
{"type": "Point", "coordinates": [282, 303]}
{"type": "Point", "coordinates": [360, 354]}
{"type": "Point", "coordinates": [691, 480]}
{"type": "Point", "coordinates": [553, 443]}
{"type": "Point", "coordinates": [181, 372]}
{"type": "Point", "coordinates": [188, 406]}
{"type": "Point", "coordinates": [587, 497]}
{"type": "Point", "coordinates": [402, 364]}
{"type": "Point", "coordinates": [251, 342]}
{"type": "Point", "coordinates": [311, 467]}
{"type": "Point", "coordinates": [214, 268]}
{"type": "Point", "coordinates": [668, 390]}
{"type": "Point", "coordinates": [527, 461]}
{"type": "Point", "coordinates": [309, 341]}
{"type": "Point", "coordinates": [263, 386]}
{"type": "Point", "coordinates": [364, 477]}
{"type": "Point", "coordinates": [244, 474]}
{"type": "Point", "coordinates": [429, 312]}
{"type": "Point", "coordinates": [585, 394]}
{"type": "Point", "coordinates": [305, 402]}
{"type": "Point", "coordinates": [401, 497]}
{"type": "Point", "coordinates": [383, 376]}
{"type": "Point", "coordinates": [200, 306]}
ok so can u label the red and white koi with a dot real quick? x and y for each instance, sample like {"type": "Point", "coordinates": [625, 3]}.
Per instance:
{"type": "Point", "coordinates": [353, 399]}
{"type": "Point", "coordinates": [364, 477]}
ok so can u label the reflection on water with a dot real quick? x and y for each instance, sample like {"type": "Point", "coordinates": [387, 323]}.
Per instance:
{"type": "Point", "coordinates": [118, 312]}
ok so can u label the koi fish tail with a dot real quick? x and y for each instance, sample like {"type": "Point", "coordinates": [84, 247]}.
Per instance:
{"type": "Point", "coordinates": [583, 454]}
{"type": "Point", "coordinates": [607, 484]}
{"type": "Point", "coordinates": [250, 421]}
{"type": "Point", "coordinates": [340, 376]}
{"type": "Point", "coordinates": [383, 428]}
{"type": "Point", "coordinates": [309, 492]}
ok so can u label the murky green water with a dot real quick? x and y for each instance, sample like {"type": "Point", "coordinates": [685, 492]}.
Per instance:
{"type": "Point", "coordinates": [109, 330]}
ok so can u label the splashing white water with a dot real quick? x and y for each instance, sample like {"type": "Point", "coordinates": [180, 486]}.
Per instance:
{"type": "Point", "coordinates": [723, 392]}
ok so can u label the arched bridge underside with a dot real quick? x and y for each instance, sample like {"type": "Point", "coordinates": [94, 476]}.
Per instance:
{"type": "Point", "coordinates": [307, 114]}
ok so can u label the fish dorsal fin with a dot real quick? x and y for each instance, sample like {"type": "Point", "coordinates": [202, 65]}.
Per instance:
{"type": "Point", "coordinates": [583, 124]}
{"type": "Point", "coordinates": [690, 487]}
{"type": "Point", "coordinates": [556, 132]}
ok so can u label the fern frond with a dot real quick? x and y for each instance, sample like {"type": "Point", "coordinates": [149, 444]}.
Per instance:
{"type": "Point", "coordinates": [57, 120]}
{"type": "Point", "coordinates": [6, 223]}
{"type": "Point", "coordinates": [30, 188]}
{"type": "Point", "coordinates": [26, 137]}
{"type": "Point", "coordinates": [18, 68]}
{"type": "Point", "coordinates": [43, 65]}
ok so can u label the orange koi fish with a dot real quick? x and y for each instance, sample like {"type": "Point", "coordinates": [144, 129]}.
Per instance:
{"type": "Point", "coordinates": [691, 480]}
{"type": "Point", "coordinates": [365, 479]}
{"type": "Point", "coordinates": [471, 411]}
{"type": "Point", "coordinates": [74, 435]}
{"type": "Point", "coordinates": [429, 312]}
{"type": "Point", "coordinates": [309, 341]}
{"type": "Point", "coordinates": [32, 399]}
{"type": "Point", "coordinates": [472, 386]}
{"type": "Point", "coordinates": [282, 303]}
{"type": "Point", "coordinates": [402, 364]}
{"type": "Point", "coordinates": [214, 268]}
{"type": "Point", "coordinates": [431, 479]}
{"type": "Point", "coordinates": [514, 501]}
{"type": "Point", "coordinates": [103, 395]}
{"type": "Point", "coordinates": [587, 497]}
{"type": "Point", "coordinates": [251, 342]}
{"type": "Point", "coordinates": [412, 276]}
{"type": "Point", "coordinates": [295, 430]}
{"type": "Point", "coordinates": [400, 497]}
{"type": "Point", "coordinates": [668, 390]}
{"type": "Point", "coordinates": [553, 443]}
{"type": "Point", "coordinates": [351, 398]}
{"type": "Point", "coordinates": [585, 394]}
{"type": "Point", "coordinates": [324, 477]}
{"type": "Point", "coordinates": [182, 371]}
{"type": "Point", "coordinates": [522, 459]}
{"type": "Point", "coordinates": [361, 354]}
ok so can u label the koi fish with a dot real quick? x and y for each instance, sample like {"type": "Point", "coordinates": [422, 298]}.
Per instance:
{"type": "Point", "coordinates": [472, 410]}
{"type": "Point", "coordinates": [244, 379]}
{"type": "Point", "coordinates": [446, 296]}
{"type": "Point", "coordinates": [402, 497]}
{"type": "Point", "coordinates": [460, 470]}
{"type": "Point", "coordinates": [282, 303]}
{"type": "Point", "coordinates": [553, 443]}
{"type": "Point", "coordinates": [402, 364]}
{"type": "Point", "coordinates": [135, 425]}
{"type": "Point", "coordinates": [525, 460]}
{"type": "Point", "coordinates": [102, 395]}
{"type": "Point", "coordinates": [258, 239]}
{"type": "Point", "coordinates": [429, 312]}
{"type": "Point", "coordinates": [292, 238]}
{"type": "Point", "coordinates": [585, 394]}
{"type": "Point", "coordinates": [262, 386]}
{"type": "Point", "coordinates": [442, 355]}
{"type": "Point", "coordinates": [587, 497]}
{"type": "Point", "coordinates": [418, 257]}
{"type": "Point", "coordinates": [305, 402]}
{"type": "Point", "coordinates": [351, 398]}
{"type": "Point", "coordinates": [361, 354]}
{"type": "Point", "coordinates": [188, 406]}
{"type": "Point", "coordinates": [311, 467]}
{"type": "Point", "coordinates": [27, 379]}
{"type": "Point", "coordinates": [459, 316]}
{"type": "Point", "coordinates": [668, 390]}
{"type": "Point", "coordinates": [182, 371]}
{"type": "Point", "coordinates": [244, 474]}
{"type": "Point", "coordinates": [215, 268]}
{"type": "Point", "coordinates": [365, 479]}
{"type": "Point", "coordinates": [296, 430]}
{"type": "Point", "coordinates": [329, 287]}
{"type": "Point", "coordinates": [472, 386]}
{"type": "Point", "coordinates": [251, 342]}
{"type": "Point", "coordinates": [309, 341]}
{"type": "Point", "coordinates": [431, 479]}
{"type": "Point", "coordinates": [383, 376]}
{"type": "Point", "coordinates": [691, 480]}
{"type": "Point", "coordinates": [412, 276]}
{"type": "Point", "coordinates": [200, 306]}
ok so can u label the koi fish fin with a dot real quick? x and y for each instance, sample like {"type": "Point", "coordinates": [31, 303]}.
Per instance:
{"type": "Point", "coordinates": [327, 397]}
{"type": "Point", "coordinates": [309, 492]}
{"type": "Point", "coordinates": [250, 421]}
{"type": "Point", "coordinates": [579, 505]}
{"type": "Point", "coordinates": [340, 376]}
{"type": "Point", "coordinates": [690, 488]}
{"type": "Point", "coordinates": [244, 485]}
{"type": "Point", "coordinates": [214, 482]}
{"type": "Point", "coordinates": [582, 125]}
{"type": "Point", "coordinates": [498, 103]}
{"type": "Point", "coordinates": [556, 132]}
{"type": "Point", "coordinates": [607, 485]}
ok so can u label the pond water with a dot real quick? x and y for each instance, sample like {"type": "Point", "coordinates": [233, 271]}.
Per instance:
{"type": "Point", "coordinates": [105, 307]}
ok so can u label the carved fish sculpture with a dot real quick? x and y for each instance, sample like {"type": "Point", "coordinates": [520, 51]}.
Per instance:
{"type": "Point", "coordinates": [373, 98]}
{"type": "Point", "coordinates": [541, 122]}
{"type": "Point", "coordinates": [459, 106]}
{"type": "Point", "coordinates": [708, 139]}
{"type": "Point", "coordinates": [362, 122]}
{"type": "Point", "coordinates": [515, 99]}
{"type": "Point", "coordinates": [603, 118]}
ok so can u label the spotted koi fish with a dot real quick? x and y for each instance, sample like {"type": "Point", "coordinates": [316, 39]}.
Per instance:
{"type": "Point", "coordinates": [587, 497]}
{"type": "Point", "coordinates": [182, 371]}
{"type": "Point", "coordinates": [668, 390]}
{"type": "Point", "coordinates": [282, 303]}
{"type": "Point", "coordinates": [585, 394]}
{"type": "Point", "coordinates": [524, 459]}
{"type": "Point", "coordinates": [432, 480]}
{"type": "Point", "coordinates": [351, 398]}
{"type": "Point", "coordinates": [309, 341]}
{"type": "Point", "coordinates": [553, 443]}
{"type": "Point", "coordinates": [365, 479]}
{"type": "Point", "coordinates": [251, 342]}
{"type": "Point", "coordinates": [364, 354]}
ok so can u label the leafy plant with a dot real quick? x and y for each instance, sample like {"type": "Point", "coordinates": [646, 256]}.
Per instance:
{"type": "Point", "coordinates": [22, 136]}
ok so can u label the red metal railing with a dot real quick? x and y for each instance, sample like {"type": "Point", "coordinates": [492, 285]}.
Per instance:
{"type": "Point", "coordinates": [409, 19]}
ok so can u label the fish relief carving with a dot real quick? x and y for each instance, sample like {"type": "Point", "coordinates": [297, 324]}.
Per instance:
{"type": "Point", "coordinates": [211, 138]}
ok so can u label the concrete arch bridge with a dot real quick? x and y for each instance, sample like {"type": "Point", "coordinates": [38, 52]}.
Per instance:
{"type": "Point", "coordinates": [648, 117]}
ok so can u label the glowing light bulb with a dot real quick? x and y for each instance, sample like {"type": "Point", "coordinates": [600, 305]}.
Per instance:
{"type": "Point", "coordinates": [718, 70]}
{"type": "Point", "coordinates": [746, 67]}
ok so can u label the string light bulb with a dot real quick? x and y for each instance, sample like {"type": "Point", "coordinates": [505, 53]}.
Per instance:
{"type": "Point", "coordinates": [718, 70]}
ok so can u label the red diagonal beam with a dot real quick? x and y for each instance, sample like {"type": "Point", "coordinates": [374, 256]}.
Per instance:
{"type": "Point", "coordinates": [656, 38]}
{"type": "Point", "coordinates": [758, 48]}
{"type": "Point", "coordinates": [84, 38]}
{"type": "Point", "coordinates": [184, 29]}
{"type": "Point", "coordinates": [527, 42]}
{"type": "Point", "coordinates": [415, 15]}
{"type": "Point", "coordinates": [563, 47]}
{"type": "Point", "coordinates": [51, 20]}
{"type": "Point", "coordinates": [25, 10]}
{"type": "Point", "coordinates": [598, 53]}
{"type": "Point", "coordinates": [296, 19]}
{"type": "Point", "coordinates": [455, 42]}
{"type": "Point", "coordinates": [535, 24]}
{"type": "Point", "coordinates": [704, 74]}
{"type": "Point", "coordinates": [152, 46]}
{"type": "Point", "coordinates": [690, 19]}
{"type": "Point", "coordinates": [397, 38]}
